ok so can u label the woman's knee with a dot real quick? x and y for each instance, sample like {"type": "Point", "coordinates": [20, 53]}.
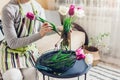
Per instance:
{"type": "Point", "coordinates": [13, 74]}
{"type": "Point", "coordinates": [29, 73]}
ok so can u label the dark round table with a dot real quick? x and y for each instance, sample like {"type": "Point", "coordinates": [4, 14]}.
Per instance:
{"type": "Point", "coordinates": [79, 68]}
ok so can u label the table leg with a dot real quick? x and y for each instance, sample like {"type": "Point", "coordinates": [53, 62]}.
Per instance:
{"type": "Point", "coordinates": [85, 76]}
{"type": "Point", "coordinates": [78, 77]}
{"type": "Point", "coordinates": [43, 77]}
{"type": "Point", "coordinates": [48, 78]}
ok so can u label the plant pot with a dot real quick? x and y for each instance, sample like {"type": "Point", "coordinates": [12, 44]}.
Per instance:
{"type": "Point", "coordinates": [95, 52]}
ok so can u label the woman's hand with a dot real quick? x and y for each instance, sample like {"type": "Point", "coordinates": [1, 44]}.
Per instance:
{"type": "Point", "coordinates": [45, 28]}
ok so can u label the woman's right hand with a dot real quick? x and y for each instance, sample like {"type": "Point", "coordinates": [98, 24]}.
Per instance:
{"type": "Point", "coordinates": [45, 28]}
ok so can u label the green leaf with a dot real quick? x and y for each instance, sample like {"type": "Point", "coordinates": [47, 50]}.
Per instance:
{"type": "Point", "coordinates": [52, 25]}
{"type": "Point", "coordinates": [67, 24]}
{"type": "Point", "coordinates": [54, 57]}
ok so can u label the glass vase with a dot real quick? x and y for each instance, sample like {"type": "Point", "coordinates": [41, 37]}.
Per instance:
{"type": "Point", "coordinates": [66, 40]}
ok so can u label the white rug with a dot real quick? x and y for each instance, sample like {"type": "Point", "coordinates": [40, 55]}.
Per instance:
{"type": "Point", "coordinates": [100, 72]}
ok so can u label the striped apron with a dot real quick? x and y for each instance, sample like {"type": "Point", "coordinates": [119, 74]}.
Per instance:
{"type": "Point", "coordinates": [23, 57]}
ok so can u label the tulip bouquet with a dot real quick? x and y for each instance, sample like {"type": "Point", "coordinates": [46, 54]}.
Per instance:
{"type": "Point", "coordinates": [71, 14]}
{"type": "Point", "coordinates": [65, 58]}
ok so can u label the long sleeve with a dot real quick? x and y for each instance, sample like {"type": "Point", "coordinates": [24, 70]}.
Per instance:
{"type": "Point", "coordinates": [8, 17]}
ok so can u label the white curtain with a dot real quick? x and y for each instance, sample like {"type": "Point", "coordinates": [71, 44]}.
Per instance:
{"type": "Point", "coordinates": [102, 16]}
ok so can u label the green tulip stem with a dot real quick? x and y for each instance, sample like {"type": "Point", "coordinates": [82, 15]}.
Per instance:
{"type": "Point", "coordinates": [52, 25]}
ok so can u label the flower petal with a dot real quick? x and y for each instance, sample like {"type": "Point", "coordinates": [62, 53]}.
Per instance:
{"type": "Point", "coordinates": [71, 10]}
{"type": "Point", "coordinates": [79, 13]}
{"type": "Point", "coordinates": [89, 58]}
{"type": "Point", "coordinates": [80, 54]}
{"type": "Point", "coordinates": [63, 10]}
{"type": "Point", "coordinates": [30, 15]}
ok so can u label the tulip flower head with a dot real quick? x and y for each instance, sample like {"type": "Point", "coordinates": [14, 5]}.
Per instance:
{"type": "Point", "coordinates": [80, 54]}
{"type": "Point", "coordinates": [71, 10]}
{"type": "Point", "coordinates": [30, 16]}
{"type": "Point", "coordinates": [72, 13]}
{"type": "Point", "coordinates": [89, 58]}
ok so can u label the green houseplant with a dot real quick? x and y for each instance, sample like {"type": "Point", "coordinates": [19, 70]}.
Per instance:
{"type": "Point", "coordinates": [95, 45]}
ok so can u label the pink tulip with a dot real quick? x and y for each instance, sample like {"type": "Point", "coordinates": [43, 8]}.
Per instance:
{"type": "Point", "coordinates": [71, 10]}
{"type": "Point", "coordinates": [30, 16]}
{"type": "Point", "coordinates": [79, 54]}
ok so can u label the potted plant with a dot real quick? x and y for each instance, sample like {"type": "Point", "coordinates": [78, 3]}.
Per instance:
{"type": "Point", "coordinates": [94, 47]}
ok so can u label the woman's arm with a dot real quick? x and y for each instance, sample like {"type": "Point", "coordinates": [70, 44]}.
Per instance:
{"type": "Point", "coordinates": [13, 41]}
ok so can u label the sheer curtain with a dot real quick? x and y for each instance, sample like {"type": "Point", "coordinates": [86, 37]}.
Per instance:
{"type": "Point", "coordinates": [102, 16]}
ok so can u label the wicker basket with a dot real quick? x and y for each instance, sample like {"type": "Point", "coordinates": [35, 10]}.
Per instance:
{"type": "Point", "coordinates": [95, 52]}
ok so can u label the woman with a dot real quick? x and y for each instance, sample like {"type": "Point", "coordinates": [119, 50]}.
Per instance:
{"type": "Point", "coordinates": [18, 53]}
